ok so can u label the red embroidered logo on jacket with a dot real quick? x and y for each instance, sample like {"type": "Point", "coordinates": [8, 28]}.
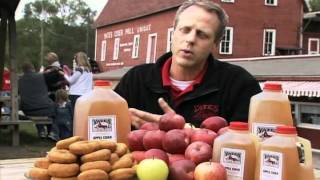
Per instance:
{"type": "Point", "coordinates": [203, 111]}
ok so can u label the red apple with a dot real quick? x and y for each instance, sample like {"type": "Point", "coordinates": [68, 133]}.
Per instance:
{"type": "Point", "coordinates": [156, 154]}
{"type": "Point", "coordinates": [214, 123]}
{"type": "Point", "coordinates": [189, 131]}
{"type": "Point", "coordinates": [153, 139]}
{"type": "Point", "coordinates": [210, 170]}
{"type": "Point", "coordinates": [175, 141]}
{"type": "Point", "coordinates": [223, 130]}
{"type": "Point", "coordinates": [181, 170]}
{"type": "Point", "coordinates": [175, 157]}
{"type": "Point", "coordinates": [204, 135]}
{"type": "Point", "coordinates": [171, 120]}
{"type": "Point", "coordinates": [198, 152]}
{"type": "Point", "coordinates": [135, 140]}
{"type": "Point", "coordinates": [149, 126]}
{"type": "Point", "coordinates": [138, 155]}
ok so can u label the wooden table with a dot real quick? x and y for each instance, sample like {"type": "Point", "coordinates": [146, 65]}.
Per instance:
{"type": "Point", "coordinates": [14, 169]}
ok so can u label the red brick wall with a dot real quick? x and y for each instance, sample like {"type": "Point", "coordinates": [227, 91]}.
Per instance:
{"type": "Point", "coordinates": [248, 18]}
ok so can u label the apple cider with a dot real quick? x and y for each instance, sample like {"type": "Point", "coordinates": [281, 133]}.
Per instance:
{"type": "Point", "coordinates": [102, 114]}
{"type": "Point", "coordinates": [269, 109]}
{"type": "Point", "coordinates": [236, 151]}
{"type": "Point", "coordinates": [279, 157]}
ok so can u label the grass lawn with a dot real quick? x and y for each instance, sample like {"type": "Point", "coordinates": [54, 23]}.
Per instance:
{"type": "Point", "coordinates": [30, 145]}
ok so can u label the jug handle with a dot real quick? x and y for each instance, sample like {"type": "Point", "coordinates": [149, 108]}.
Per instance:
{"type": "Point", "coordinates": [307, 150]}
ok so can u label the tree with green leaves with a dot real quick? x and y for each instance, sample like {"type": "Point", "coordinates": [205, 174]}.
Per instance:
{"type": "Point", "coordinates": [315, 5]}
{"type": "Point", "coordinates": [61, 26]}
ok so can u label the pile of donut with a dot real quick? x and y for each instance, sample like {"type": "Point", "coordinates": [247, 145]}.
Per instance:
{"type": "Point", "coordinates": [75, 159]}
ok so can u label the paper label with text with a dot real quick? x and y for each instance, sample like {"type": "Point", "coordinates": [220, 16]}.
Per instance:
{"type": "Point", "coordinates": [233, 161]}
{"type": "Point", "coordinates": [271, 165]}
{"type": "Point", "coordinates": [102, 127]}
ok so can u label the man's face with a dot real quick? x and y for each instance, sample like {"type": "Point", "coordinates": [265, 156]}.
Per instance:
{"type": "Point", "coordinates": [194, 36]}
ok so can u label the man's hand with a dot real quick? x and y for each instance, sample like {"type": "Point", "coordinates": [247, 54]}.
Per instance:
{"type": "Point", "coordinates": [139, 117]}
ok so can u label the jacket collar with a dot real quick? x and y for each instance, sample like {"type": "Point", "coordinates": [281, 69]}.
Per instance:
{"type": "Point", "coordinates": [154, 80]}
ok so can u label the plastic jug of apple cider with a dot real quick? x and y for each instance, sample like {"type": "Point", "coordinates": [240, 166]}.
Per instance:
{"type": "Point", "coordinates": [285, 156]}
{"type": "Point", "coordinates": [236, 151]}
{"type": "Point", "coordinates": [102, 114]}
{"type": "Point", "coordinates": [269, 109]}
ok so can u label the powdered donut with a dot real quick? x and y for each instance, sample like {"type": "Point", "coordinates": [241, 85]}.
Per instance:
{"type": "Point", "coordinates": [103, 165]}
{"type": "Point", "coordinates": [65, 143]}
{"type": "Point", "coordinates": [62, 156]}
{"type": "Point", "coordinates": [93, 174]}
{"type": "Point", "coordinates": [84, 147]}
{"type": "Point", "coordinates": [67, 178]}
{"type": "Point", "coordinates": [63, 170]}
{"type": "Point", "coordinates": [101, 155]}
{"type": "Point", "coordinates": [39, 174]}
{"type": "Point", "coordinates": [42, 163]}
{"type": "Point", "coordinates": [107, 144]}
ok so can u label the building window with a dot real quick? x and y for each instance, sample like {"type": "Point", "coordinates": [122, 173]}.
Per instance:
{"type": "Point", "coordinates": [227, 41]}
{"type": "Point", "coordinates": [271, 2]}
{"type": "Point", "coordinates": [169, 39]}
{"type": "Point", "coordinates": [116, 48]}
{"type": "Point", "coordinates": [135, 48]}
{"type": "Point", "coordinates": [306, 113]}
{"type": "Point", "coordinates": [103, 50]}
{"type": "Point", "coordinates": [230, 1]}
{"type": "Point", "coordinates": [269, 42]}
{"type": "Point", "coordinates": [313, 45]}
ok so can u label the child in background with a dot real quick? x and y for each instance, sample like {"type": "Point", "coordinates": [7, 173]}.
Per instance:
{"type": "Point", "coordinates": [64, 111]}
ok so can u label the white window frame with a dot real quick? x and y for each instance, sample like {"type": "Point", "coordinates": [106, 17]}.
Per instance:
{"type": "Point", "coordinates": [275, 3]}
{"type": "Point", "coordinates": [273, 42]}
{"type": "Point", "coordinates": [135, 46]}
{"type": "Point", "coordinates": [298, 111]}
{"type": "Point", "coordinates": [103, 50]}
{"type": "Point", "coordinates": [310, 40]}
{"type": "Point", "coordinates": [225, 40]}
{"type": "Point", "coordinates": [169, 38]}
{"type": "Point", "coordinates": [116, 49]}
{"type": "Point", "coordinates": [149, 50]}
{"type": "Point", "coordinates": [228, 1]}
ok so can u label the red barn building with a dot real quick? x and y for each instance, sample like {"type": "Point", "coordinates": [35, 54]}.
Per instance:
{"type": "Point", "coordinates": [131, 32]}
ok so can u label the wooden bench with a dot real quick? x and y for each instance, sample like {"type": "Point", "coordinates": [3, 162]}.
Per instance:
{"type": "Point", "coordinates": [15, 126]}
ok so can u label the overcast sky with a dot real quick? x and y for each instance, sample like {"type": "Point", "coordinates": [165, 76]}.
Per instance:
{"type": "Point", "coordinates": [96, 5]}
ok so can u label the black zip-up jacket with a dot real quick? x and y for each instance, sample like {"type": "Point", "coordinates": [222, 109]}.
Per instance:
{"type": "Point", "coordinates": [225, 91]}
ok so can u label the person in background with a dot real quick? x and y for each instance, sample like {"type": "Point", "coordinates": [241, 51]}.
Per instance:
{"type": "Point", "coordinates": [34, 100]}
{"type": "Point", "coordinates": [63, 114]}
{"type": "Point", "coordinates": [54, 75]}
{"type": "Point", "coordinates": [81, 81]}
{"type": "Point", "coordinates": [190, 80]}
{"type": "Point", "coordinates": [5, 92]}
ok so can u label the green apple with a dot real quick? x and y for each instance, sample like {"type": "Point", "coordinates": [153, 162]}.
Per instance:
{"type": "Point", "coordinates": [152, 169]}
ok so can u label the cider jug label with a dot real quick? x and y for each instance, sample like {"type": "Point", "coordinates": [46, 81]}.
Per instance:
{"type": "Point", "coordinates": [270, 165]}
{"type": "Point", "coordinates": [233, 161]}
{"type": "Point", "coordinates": [102, 127]}
{"type": "Point", "coordinates": [263, 130]}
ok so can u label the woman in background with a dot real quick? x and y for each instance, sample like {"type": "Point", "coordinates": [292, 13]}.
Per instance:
{"type": "Point", "coordinates": [81, 81]}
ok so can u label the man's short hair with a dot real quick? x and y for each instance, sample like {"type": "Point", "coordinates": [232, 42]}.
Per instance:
{"type": "Point", "coordinates": [27, 67]}
{"type": "Point", "coordinates": [210, 7]}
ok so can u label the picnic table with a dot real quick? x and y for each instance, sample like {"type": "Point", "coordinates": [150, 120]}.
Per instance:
{"type": "Point", "coordinates": [14, 124]}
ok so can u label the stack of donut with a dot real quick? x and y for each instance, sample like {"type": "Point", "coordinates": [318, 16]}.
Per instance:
{"type": "Point", "coordinates": [73, 158]}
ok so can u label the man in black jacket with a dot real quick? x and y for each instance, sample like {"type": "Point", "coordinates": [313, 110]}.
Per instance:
{"type": "Point", "coordinates": [190, 79]}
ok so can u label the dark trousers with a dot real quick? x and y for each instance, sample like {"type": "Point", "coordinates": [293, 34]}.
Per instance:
{"type": "Point", "coordinates": [73, 99]}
